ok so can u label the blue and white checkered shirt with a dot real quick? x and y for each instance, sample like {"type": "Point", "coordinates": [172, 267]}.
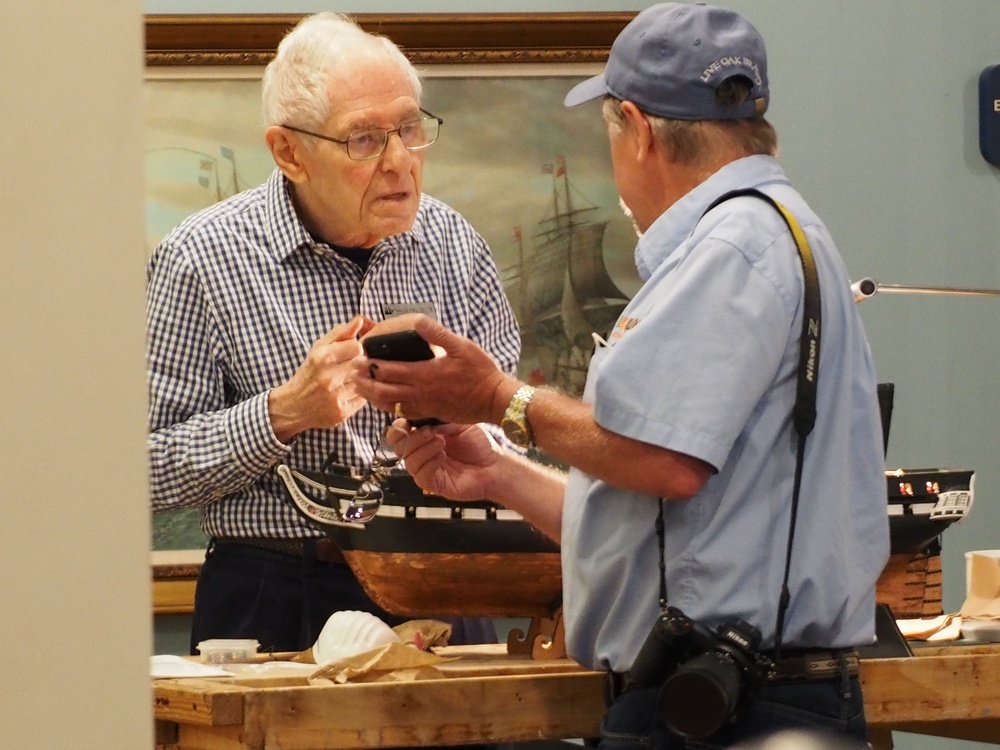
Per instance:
{"type": "Point", "coordinates": [236, 296]}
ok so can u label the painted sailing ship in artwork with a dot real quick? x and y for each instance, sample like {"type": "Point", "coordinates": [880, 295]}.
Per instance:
{"type": "Point", "coordinates": [209, 174]}
{"type": "Point", "coordinates": [560, 287]}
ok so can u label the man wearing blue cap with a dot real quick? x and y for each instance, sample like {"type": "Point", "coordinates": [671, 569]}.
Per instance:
{"type": "Point", "coordinates": [723, 521]}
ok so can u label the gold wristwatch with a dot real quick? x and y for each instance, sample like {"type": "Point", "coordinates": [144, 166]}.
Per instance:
{"type": "Point", "coordinates": [515, 419]}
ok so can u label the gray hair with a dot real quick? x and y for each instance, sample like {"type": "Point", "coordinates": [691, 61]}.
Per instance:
{"type": "Point", "coordinates": [694, 142]}
{"type": "Point", "coordinates": [295, 89]}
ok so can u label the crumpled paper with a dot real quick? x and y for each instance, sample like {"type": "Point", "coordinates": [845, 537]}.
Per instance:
{"type": "Point", "coordinates": [982, 604]}
{"type": "Point", "coordinates": [424, 634]}
{"type": "Point", "coordinates": [394, 662]}
{"type": "Point", "coordinates": [941, 628]}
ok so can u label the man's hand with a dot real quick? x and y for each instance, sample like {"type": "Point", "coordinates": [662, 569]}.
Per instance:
{"type": "Point", "coordinates": [321, 393]}
{"type": "Point", "coordinates": [454, 461]}
{"type": "Point", "coordinates": [464, 386]}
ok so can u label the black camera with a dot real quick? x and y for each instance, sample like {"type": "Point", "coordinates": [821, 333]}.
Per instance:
{"type": "Point", "coordinates": [706, 677]}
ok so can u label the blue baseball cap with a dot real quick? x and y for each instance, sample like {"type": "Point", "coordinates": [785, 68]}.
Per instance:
{"type": "Point", "coordinates": [671, 57]}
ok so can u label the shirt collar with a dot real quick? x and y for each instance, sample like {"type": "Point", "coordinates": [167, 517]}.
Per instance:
{"type": "Point", "coordinates": [288, 234]}
{"type": "Point", "coordinates": [675, 224]}
{"type": "Point", "coordinates": [286, 231]}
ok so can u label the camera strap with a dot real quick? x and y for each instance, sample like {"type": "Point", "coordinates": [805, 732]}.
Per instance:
{"type": "Point", "coordinates": [804, 410]}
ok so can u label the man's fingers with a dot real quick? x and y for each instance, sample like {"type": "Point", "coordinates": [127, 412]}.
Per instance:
{"type": "Point", "coordinates": [431, 331]}
{"type": "Point", "coordinates": [345, 331]}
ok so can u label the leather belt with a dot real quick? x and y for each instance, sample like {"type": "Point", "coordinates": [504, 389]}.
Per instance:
{"type": "Point", "coordinates": [322, 549]}
{"type": "Point", "coordinates": [795, 665]}
{"type": "Point", "coordinates": [814, 664]}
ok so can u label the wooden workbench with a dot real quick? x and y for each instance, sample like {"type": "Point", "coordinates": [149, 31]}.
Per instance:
{"type": "Point", "coordinates": [951, 691]}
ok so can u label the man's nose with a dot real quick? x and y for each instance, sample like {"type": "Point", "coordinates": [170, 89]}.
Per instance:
{"type": "Point", "coordinates": [395, 152]}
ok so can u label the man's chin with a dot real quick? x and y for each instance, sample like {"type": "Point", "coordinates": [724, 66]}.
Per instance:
{"type": "Point", "coordinates": [387, 225]}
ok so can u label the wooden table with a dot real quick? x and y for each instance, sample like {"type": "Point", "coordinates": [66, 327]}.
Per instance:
{"type": "Point", "coordinates": [951, 691]}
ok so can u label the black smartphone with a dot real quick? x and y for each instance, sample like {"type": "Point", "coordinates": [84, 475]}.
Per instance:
{"type": "Point", "coordinates": [402, 346]}
{"type": "Point", "coordinates": [405, 346]}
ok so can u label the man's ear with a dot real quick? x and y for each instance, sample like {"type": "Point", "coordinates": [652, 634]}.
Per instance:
{"type": "Point", "coordinates": [638, 128]}
{"type": "Point", "coordinates": [286, 149]}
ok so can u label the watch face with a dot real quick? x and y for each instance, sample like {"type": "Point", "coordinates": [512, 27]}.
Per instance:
{"type": "Point", "coordinates": [515, 420]}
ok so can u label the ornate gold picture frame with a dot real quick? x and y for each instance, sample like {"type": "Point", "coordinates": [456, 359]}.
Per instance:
{"type": "Point", "coordinates": [433, 38]}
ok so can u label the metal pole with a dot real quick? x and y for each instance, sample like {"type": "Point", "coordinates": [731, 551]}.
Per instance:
{"type": "Point", "coordinates": [868, 287]}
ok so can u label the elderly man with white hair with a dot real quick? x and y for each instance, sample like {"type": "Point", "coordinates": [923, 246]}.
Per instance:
{"type": "Point", "coordinates": [254, 309]}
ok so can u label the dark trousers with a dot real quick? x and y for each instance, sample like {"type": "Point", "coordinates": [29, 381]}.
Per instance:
{"type": "Point", "coordinates": [830, 712]}
{"type": "Point", "coordinates": [284, 601]}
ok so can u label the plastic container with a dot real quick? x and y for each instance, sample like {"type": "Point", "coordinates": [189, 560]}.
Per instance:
{"type": "Point", "coordinates": [223, 650]}
{"type": "Point", "coordinates": [980, 630]}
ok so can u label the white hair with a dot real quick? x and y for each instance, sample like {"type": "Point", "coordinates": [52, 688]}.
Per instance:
{"type": "Point", "coordinates": [295, 89]}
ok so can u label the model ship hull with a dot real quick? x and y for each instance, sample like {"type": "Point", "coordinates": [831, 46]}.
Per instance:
{"type": "Point", "coordinates": [442, 584]}
{"type": "Point", "coordinates": [424, 556]}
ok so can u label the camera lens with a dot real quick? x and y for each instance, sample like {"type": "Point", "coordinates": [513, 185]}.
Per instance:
{"type": "Point", "coordinates": [701, 695]}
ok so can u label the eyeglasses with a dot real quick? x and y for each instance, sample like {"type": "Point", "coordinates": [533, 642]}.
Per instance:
{"type": "Point", "coordinates": [416, 135]}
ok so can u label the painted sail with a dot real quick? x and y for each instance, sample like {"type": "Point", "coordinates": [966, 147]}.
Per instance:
{"type": "Point", "coordinates": [561, 289]}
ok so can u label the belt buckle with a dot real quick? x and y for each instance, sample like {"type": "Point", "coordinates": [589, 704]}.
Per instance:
{"type": "Point", "coordinates": [815, 666]}
{"type": "Point", "coordinates": [821, 666]}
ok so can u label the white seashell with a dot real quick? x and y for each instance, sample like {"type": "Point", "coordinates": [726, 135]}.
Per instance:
{"type": "Point", "coordinates": [350, 632]}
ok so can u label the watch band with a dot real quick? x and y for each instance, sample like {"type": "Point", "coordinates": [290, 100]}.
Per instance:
{"type": "Point", "coordinates": [515, 419]}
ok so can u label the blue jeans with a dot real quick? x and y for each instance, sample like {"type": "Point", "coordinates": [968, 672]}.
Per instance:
{"type": "Point", "coordinates": [831, 709]}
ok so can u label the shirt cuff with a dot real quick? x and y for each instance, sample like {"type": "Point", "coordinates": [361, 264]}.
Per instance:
{"type": "Point", "coordinates": [251, 439]}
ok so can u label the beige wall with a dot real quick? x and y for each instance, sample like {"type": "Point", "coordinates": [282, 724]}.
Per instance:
{"type": "Point", "coordinates": [74, 593]}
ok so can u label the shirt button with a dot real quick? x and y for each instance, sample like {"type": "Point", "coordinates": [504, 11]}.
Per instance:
{"type": "Point", "coordinates": [319, 251]}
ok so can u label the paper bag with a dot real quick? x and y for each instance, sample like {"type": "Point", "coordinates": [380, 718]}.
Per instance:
{"type": "Point", "coordinates": [982, 599]}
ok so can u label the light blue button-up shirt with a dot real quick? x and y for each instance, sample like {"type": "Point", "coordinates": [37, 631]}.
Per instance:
{"type": "Point", "coordinates": [704, 361]}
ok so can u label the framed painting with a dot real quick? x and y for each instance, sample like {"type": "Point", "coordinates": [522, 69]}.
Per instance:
{"type": "Point", "coordinates": [532, 176]}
